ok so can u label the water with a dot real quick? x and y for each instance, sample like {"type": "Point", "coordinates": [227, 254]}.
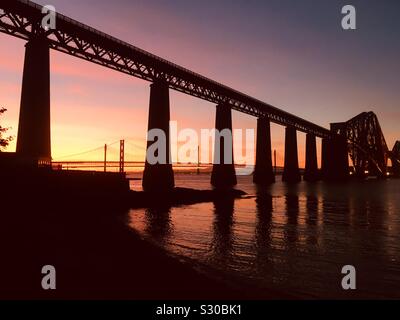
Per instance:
{"type": "Point", "coordinates": [290, 238]}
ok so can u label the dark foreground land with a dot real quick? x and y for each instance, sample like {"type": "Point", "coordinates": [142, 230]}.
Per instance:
{"type": "Point", "coordinates": [95, 253]}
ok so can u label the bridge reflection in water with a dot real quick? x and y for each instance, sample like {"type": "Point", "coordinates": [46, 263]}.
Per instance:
{"type": "Point", "coordinates": [293, 238]}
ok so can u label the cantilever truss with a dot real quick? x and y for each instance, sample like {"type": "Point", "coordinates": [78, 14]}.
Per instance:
{"type": "Point", "coordinates": [367, 146]}
{"type": "Point", "coordinates": [395, 157]}
{"type": "Point", "coordinates": [396, 150]}
{"type": "Point", "coordinates": [22, 18]}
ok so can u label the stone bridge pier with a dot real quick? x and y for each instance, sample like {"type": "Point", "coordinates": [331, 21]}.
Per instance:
{"type": "Point", "coordinates": [291, 172]}
{"type": "Point", "coordinates": [335, 161]}
{"type": "Point", "coordinates": [34, 141]}
{"type": "Point", "coordinates": [223, 173]}
{"type": "Point", "coordinates": [158, 177]}
{"type": "Point", "coordinates": [311, 172]}
{"type": "Point", "coordinates": [263, 171]}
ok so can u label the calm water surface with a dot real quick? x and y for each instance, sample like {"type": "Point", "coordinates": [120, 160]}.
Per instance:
{"type": "Point", "coordinates": [293, 238]}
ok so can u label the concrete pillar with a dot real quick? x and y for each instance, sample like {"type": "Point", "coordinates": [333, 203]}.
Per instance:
{"type": "Point", "coordinates": [263, 171]}
{"type": "Point", "coordinates": [223, 173]}
{"type": "Point", "coordinates": [311, 172]}
{"type": "Point", "coordinates": [340, 158]}
{"type": "Point", "coordinates": [33, 140]}
{"type": "Point", "coordinates": [335, 161]}
{"type": "Point", "coordinates": [396, 159]}
{"type": "Point", "coordinates": [326, 159]}
{"type": "Point", "coordinates": [291, 172]}
{"type": "Point", "coordinates": [396, 167]}
{"type": "Point", "coordinates": [159, 177]}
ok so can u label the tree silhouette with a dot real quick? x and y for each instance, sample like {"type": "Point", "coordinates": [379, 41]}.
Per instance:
{"type": "Point", "coordinates": [3, 141]}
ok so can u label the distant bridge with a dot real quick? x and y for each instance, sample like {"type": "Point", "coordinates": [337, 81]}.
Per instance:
{"type": "Point", "coordinates": [117, 164]}
{"type": "Point", "coordinates": [22, 19]}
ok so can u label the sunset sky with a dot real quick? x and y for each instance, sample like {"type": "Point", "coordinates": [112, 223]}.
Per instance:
{"type": "Point", "coordinates": [292, 54]}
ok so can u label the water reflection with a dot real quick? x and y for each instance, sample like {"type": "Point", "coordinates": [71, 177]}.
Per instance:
{"type": "Point", "coordinates": [311, 210]}
{"type": "Point", "coordinates": [292, 212]}
{"type": "Point", "coordinates": [158, 223]}
{"type": "Point", "coordinates": [263, 236]}
{"type": "Point", "coordinates": [311, 219]}
{"type": "Point", "coordinates": [292, 237]}
{"type": "Point", "coordinates": [222, 241]}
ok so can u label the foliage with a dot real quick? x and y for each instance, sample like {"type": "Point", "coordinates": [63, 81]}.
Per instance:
{"type": "Point", "coordinates": [6, 140]}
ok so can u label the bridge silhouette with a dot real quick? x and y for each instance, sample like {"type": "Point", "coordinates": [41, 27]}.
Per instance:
{"type": "Point", "coordinates": [361, 137]}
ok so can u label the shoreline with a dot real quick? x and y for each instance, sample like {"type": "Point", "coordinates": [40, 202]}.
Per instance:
{"type": "Point", "coordinates": [97, 256]}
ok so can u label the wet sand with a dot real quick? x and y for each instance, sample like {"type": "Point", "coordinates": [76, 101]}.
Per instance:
{"type": "Point", "coordinates": [96, 255]}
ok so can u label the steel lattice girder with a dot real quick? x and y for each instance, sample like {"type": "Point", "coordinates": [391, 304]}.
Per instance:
{"type": "Point", "coordinates": [396, 149]}
{"type": "Point", "coordinates": [22, 19]}
{"type": "Point", "coordinates": [395, 153]}
{"type": "Point", "coordinates": [367, 143]}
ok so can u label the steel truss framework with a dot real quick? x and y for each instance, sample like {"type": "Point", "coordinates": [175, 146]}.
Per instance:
{"type": "Point", "coordinates": [21, 18]}
{"type": "Point", "coordinates": [395, 154]}
{"type": "Point", "coordinates": [367, 146]}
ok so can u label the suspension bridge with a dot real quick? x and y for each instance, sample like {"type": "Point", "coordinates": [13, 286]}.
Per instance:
{"type": "Point", "coordinates": [116, 156]}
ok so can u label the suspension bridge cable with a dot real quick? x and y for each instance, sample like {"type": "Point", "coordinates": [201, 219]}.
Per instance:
{"type": "Point", "coordinates": [80, 153]}
{"type": "Point", "coordinates": [135, 145]}
{"type": "Point", "coordinates": [130, 154]}
{"type": "Point", "coordinates": [112, 143]}
{"type": "Point", "coordinates": [88, 151]}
